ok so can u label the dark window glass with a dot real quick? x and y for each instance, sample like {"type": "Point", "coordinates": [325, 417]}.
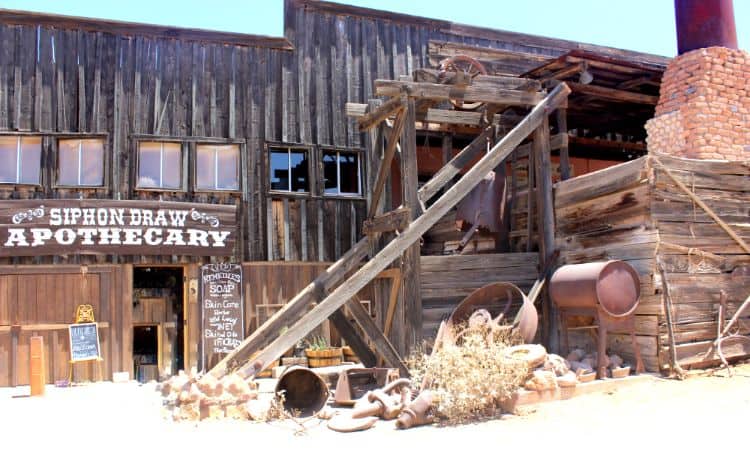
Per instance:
{"type": "Point", "coordinates": [288, 170]}
{"type": "Point", "coordinates": [20, 158]}
{"type": "Point", "coordinates": [81, 162]}
{"type": "Point", "coordinates": [160, 165]}
{"type": "Point", "coordinates": [218, 167]}
{"type": "Point", "coordinates": [330, 173]}
{"type": "Point", "coordinates": [349, 173]}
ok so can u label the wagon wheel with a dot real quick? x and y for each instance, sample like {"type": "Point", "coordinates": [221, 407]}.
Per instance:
{"type": "Point", "coordinates": [468, 66]}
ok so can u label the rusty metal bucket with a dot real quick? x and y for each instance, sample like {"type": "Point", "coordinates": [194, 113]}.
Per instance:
{"type": "Point", "coordinates": [612, 286]}
{"type": "Point", "coordinates": [305, 392]}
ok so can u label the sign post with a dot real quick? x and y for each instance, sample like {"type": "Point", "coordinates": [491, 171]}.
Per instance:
{"type": "Point", "coordinates": [84, 340]}
{"type": "Point", "coordinates": [222, 310]}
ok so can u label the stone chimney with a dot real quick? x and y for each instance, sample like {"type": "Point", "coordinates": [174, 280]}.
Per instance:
{"type": "Point", "coordinates": [704, 102]}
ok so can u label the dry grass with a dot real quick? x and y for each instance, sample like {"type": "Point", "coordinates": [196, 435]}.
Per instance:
{"type": "Point", "coordinates": [471, 377]}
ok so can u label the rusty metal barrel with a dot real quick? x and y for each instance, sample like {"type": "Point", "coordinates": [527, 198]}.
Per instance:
{"type": "Point", "coordinates": [305, 393]}
{"type": "Point", "coordinates": [612, 286]}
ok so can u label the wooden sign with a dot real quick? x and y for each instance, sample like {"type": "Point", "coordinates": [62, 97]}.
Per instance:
{"type": "Point", "coordinates": [222, 308]}
{"type": "Point", "coordinates": [94, 226]}
{"type": "Point", "coordinates": [84, 342]}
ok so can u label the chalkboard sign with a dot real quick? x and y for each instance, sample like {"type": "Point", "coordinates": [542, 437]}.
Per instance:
{"type": "Point", "coordinates": [222, 308]}
{"type": "Point", "coordinates": [84, 341]}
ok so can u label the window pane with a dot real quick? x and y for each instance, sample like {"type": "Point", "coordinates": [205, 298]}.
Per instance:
{"type": "Point", "coordinates": [8, 158]}
{"type": "Point", "coordinates": [330, 173]}
{"type": "Point", "coordinates": [92, 162]}
{"type": "Point", "coordinates": [279, 170]}
{"type": "Point", "coordinates": [171, 175]}
{"type": "Point", "coordinates": [228, 164]}
{"type": "Point", "coordinates": [204, 167]}
{"type": "Point", "coordinates": [298, 161]}
{"type": "Point", "coordinates": [349, 168]}
{"type": "Point", "coordinates": [149, 155]}
{"type": "Point", "coordinates": [68, 159]}
{"type": "Point", "coordinates": [31, 153]}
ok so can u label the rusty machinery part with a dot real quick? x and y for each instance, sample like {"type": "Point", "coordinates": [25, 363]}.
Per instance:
{"type": "Point", "coordinates": [612, 286]}
{"type": "Point", "coordinates": [490, 298]}
{"type": "Point", "coordinates": [354, 383]}
{"type": "Point", "coordinates": [417, 412]}
{"type": "Point", "coordinates": [468, 67]}
{"type": "Point", "coordinates": [304, 391]}
{"type": "Point", "coordinates": [533, 355]}
{"type": "Point", "coordinates": [347, 424]}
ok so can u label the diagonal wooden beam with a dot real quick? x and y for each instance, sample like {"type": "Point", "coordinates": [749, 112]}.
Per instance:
{"type": "Point", "coordinates": [390, 107]}
{"type": "Point", "coordinates": [348, 289]}
{"type": "Point", "coordinates": [454, 166]}
{"type": "Point", "coordinates": [352, 337]}
{"type": "Point", "coordinates": [289, 313]}
{"type": "Point", "coordinates": [382, 345]}
{"type": "Point", "coordinates": [385, 163]}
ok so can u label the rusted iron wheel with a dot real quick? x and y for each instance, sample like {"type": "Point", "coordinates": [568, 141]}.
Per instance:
{"type": "Point", "coordinates": [469, 66]}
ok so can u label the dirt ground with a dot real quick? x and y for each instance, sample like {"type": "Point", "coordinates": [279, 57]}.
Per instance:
{"type": "Point", "coordinates": [708, 411]}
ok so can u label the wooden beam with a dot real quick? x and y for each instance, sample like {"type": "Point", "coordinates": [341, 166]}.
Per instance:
{"type": "Point", "coordinates": [319, 313]}
{"type": "Point", "coordinates": [395, 220]}
{"type": "Point", "coordinates": [604, 143]}
{"type": "Point", "coordinates": [382, 345]}
{"type": "Point", "coordinates": [435, 76]}
{"type": "Point", "coordinates": [392, 300]}
{"type": "Point", "coordinates": [546, 226]}
{"type": "Point", "coordinates": [452, 117]}
{"type": "Point", "coordinates": [562, 128]}
{"type": "Point", "coordinates": [644, 80]}
{"type": "Point", "coordinates": [287, 315]}
{"type": "Point", "coordinates": [563, 73]}
{"type": "Point", "coordinates": [454, 166]}
{"type": "Point", "coordinates": [390, 107]}
{"type": "Point", "coordinates": [353, 339]}
{"type": "Point", "coordinates": [471, 93]}
{"type": "Point", "coordinates": [385, 163]}
{"type": "Point", "coordinates": [613, 94]}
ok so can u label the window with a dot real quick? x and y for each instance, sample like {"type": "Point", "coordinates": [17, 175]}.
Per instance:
{"type": "Point", "coordinates": [81, 162]}
{"type": "Point", "coordinates": [288, 169]}
{"type": "Point", "coordinates": [160, 165]}
{"type": "Point", "coordinates": [217, 167]}
{"type": "Point", "coordinates": [20, 159]}
{"type": "Point", "coordinates": [342, 173]}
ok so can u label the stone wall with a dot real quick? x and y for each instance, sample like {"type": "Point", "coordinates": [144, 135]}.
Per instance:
{"type": "Point", "coordinates": [704, 106]}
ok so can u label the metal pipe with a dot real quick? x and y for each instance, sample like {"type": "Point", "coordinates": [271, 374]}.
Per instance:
{"type": "Point", "coordinates": [704, 23]}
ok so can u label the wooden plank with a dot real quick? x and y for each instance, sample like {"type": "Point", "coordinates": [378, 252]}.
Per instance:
{"type": "Point", "coordinates": [395, 220]}
{"type": "Point", "coordinates": [381, 343]}
{"type": "Point", "coordinates": [471, 93]}
{"type": "Point", "coordinates": [412, 304]}
{"type": "Point", "coordinates": [612, 94]}
{"type": "Point", "coordinates": [394, 249]}
{"type": "Point", "coordinates": [450, 170]}
{"type": "Point", "coordinates": [609, 144]}
{"type": "Point", "coordinates": [557, 142]}
{"type": "Point", "coordinates": [353, 339]}
{"type": "Point", "coordinates": [371, 119]}
{"type": "Point", "coordinates": [602, 182]}
{"type": "Point", "coordinates": [562, 128]}
{"type": "Point", "coordinates": [385, 164]}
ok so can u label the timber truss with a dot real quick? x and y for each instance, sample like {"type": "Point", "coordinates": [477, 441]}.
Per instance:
{"type": "Point", "coordinates": [395, 235]}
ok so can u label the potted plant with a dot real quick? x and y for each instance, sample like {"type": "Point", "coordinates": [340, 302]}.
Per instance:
{"type": "Point", "coordinates": [321, 354]}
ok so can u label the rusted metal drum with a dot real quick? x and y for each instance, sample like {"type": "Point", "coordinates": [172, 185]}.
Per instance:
{"type": "Point", "coordinates": [305, 392]}
{"type": "Point", "coordinates": [613, 286]}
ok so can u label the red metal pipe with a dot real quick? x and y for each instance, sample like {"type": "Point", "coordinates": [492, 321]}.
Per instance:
{"type": "Point", "coordinates": [704, 23]}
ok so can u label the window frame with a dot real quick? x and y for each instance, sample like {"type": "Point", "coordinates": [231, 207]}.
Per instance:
{"type": "Point", "coordinates": [240, 166]}
{"type": "Point", "coordinates": [311, 180]}
{"type": "Point", "coordinates": [40, 171]}
{"type": "Point", "coordinates": [184, 154]}
{"type": "Point", "coordinates": [361, 172]}
{"type": "Point", "coordinates": [105, 161]}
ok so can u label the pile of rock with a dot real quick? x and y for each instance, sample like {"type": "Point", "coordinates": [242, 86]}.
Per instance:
{"type": "Point", "coordinates": [194, 397]}
{"type": "Point", "coordinates": [584, 364]}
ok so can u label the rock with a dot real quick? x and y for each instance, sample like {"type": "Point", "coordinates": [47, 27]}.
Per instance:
{"type": "Point", "coordinates": [541, 380]}
{"type": "Point", "coordinates": [569, 379]}
{"type": "Point", "coordinates": [615, 361]}
{"type": "Point", "coordinates": [556, 364]}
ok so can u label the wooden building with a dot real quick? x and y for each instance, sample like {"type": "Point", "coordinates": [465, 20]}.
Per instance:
{"type": "Point", "coordinates": [141, 152]}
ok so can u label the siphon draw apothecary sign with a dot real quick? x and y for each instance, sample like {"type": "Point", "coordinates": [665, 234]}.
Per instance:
{"type": "Point", "coordinates": [38, 227]}
{"type": "Point", "coordinates": [222, 308]}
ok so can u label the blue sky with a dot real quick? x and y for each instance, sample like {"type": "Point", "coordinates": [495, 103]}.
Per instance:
{"type": "Point", "coordinates": [640, 25]}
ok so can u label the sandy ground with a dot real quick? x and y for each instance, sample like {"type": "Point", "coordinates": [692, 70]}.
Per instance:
{"type": "Point", "coordinates": [707, 412]}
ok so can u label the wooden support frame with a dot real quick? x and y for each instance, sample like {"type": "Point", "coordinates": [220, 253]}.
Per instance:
{"type": "Point", "coordinates": [373, 118]}
{"type": "Point", "coordinates": [562, 128]}
{"type": "Point", "coordinates": [385, 163]}
{"type": "Point", "coordinates": [395, 220]}
{"type": "Point", "coordinates": [613, 94]}
{"type": "Point", "coordinates": [390, 252]}
{"type": "Point", "coordinates": [349, 332]}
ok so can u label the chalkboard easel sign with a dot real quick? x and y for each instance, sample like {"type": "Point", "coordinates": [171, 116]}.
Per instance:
{"type": "Point", "coordinates": [84, 342]}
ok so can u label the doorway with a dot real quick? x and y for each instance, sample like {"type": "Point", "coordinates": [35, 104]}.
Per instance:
{"type": "Point", "coordinates": [158, 322]}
